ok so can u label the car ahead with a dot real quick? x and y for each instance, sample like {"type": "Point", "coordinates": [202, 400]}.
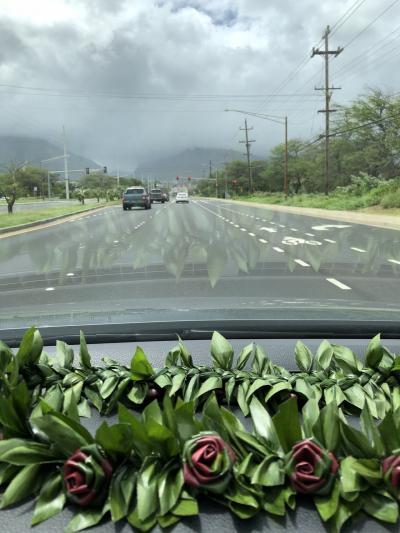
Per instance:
{"type": "Point", "coordinates": [166, 196]}
{"type": "Point", "coordinates": [135, 197]}
{"type": "Point", "coordinates": [182, 197]}
{"type": "Point", "coordinates": [156, 195]}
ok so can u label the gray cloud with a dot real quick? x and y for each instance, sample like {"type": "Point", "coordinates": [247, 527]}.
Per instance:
{"type": "Point", "coordinates": [208, 47]}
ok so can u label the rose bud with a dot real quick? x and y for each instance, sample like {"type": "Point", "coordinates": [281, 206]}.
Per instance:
{"type": "Point", "coordinates": [87, 475]}
{"type": "Point", "coordinates": [391, 472]}
{"type": "Point", "coordinates": [207, 462]}
{"type": "Point", "coordinates": [311, 469]}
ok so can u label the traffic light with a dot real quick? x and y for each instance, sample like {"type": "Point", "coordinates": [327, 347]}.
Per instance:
{"type": "Point", "coordinates": [87, 170]}
{"type": "Point", "coordinates": [177, 178]}
{"type": "Point", "coordinates": [104, 170]}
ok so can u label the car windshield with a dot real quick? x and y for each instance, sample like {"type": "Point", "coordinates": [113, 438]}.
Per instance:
{"type": "Point", "coordinates": [270, 136]}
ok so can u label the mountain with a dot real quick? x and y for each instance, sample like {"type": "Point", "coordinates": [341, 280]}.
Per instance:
{"type": "Point", "coordinates": [20, 149]}
{"type": "Point", "coordinates": [191, 162]}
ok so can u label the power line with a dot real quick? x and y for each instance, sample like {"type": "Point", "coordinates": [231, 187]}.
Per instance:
{"type": "Point", "coordinates": [370, 24]}
{"type": "Point", "coordinates": [345, 17]}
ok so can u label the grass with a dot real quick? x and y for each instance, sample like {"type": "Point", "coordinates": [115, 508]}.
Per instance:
{"type": "Point", "coordinates": [336, 200]}
{"type": "Point", "coordinates": [26, 216]}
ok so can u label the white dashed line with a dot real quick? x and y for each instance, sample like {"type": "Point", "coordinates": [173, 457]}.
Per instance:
{"type": "Point", "coordinates": [281, 226]}
{"type": "Point", "coordinates": [338, 284]}
{"type": "Point", "coordinates": [277, 249]}
{"type": "Point", "coordinates": [50, 289]}
{"type": "Point", "coordinates": [330, 240]}
{"type": "Point", "coordinates": [251, 234]}
{"type": "Point", "coordinates": [394, 261]}
{"type": "Point", "coordinates": [243, 229]}
{"type": "Point", "coordinates": [116, 242]}
{"type": "Point", "coordinates": [301, 263]}
{"type": "Point", "coordinates": [310, 234]}
{"type": "Point", "coordinates": [358, 249]}
{"type": "Point", "coordinates": [294, 229]}
{"type": "Point", "coordinates": [263, 241]}
{"type": "Point", "coordinates": [70, 274]}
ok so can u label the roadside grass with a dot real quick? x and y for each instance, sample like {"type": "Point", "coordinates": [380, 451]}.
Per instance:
{"type": "Point", "coordinates": [24, 217]}
{"type": "Point", "coordinates": [335, 200]}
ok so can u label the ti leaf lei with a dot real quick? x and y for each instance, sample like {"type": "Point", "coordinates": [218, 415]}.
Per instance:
{"type": "Point", "coordinates": [151, 469]}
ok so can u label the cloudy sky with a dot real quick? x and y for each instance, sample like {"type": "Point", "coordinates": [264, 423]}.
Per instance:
{"type": "Point", "coordinates": [132, 80]}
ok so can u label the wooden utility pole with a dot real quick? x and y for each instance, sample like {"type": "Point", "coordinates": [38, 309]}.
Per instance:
{"type": "Point", "coordinates": [328, 94]}
{"type": "Point", "coordinates": [248, 142]}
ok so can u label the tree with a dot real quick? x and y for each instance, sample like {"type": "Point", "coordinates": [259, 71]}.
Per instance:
{"type": "Point", "coordinates": [9, 187]}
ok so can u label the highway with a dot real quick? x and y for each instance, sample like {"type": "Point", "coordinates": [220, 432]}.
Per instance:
{"type": "Point", "coordinates": [207, 255]}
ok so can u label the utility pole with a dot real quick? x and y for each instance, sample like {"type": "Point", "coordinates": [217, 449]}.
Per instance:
{"type": "Point", "coordinates": [66, 166]}
{"type": "Point", "coordinates": [328, 94]}
{"type": "Point", "coordinates": [247, 143]}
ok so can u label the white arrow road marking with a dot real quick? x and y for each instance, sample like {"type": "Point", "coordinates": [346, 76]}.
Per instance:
{"type": "Point", "coordinates": [338, 284]}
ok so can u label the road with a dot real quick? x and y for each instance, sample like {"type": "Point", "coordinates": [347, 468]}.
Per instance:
{"type": "Point", "coordinates": [207, 255]}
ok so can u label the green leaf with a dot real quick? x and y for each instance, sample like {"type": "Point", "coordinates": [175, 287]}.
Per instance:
{"type": "Point", "coordinates": [140, 366]}
{"type": "Point", "coordinates": [65, 354]}
{"type": "Point", "coordinates": [84, 353]}
{"type": "Point", "coordinates": [117, 438]}
{"type": "Point", "coordinates": [273, 501]}
{"type": "Point", "coordinates": [264, 425]}
{"type": "Point", "coordinates": [186, 421]}
{"type": "Point", "coordinates": [327, 505]}
{"type": "Point", "coordinates": [138, 392]}
{"type": "Point", "coordinates": [390, 438]}
{"type": "Point", "coordinates": [221, 351]}
{"type": "Point", "coordinates": [375, 352]}
{"type": "Point", "coordinates": [345, 359]}
{"type": "Point", "coordinates": [152, 412]}
{"type": "Point", "coordinates": [66, 434]}
{"type": "Point", "coordinates": [51, 499]}
{"type": "Point", "coordinates": [30, 348]}
{"type": "Point", "coordinates": [22, 486]}
{"type": "Point", "coordinates": [6, 356]}
{"type": "Point", "coordinates": [122, 488]}
{"type": "Point", "coordinates": [303, 357]}
{"type": "Point", "coordinates": [310, 417]}
{"type": "Point", "coordinates": [186, 507]}
{"type": "Point", "coordinates": [108, 386]}
{"type": "Point", "coordinates": [177, 381]}
{"type": "Point", "coordinates": [147, 493]}
{"type": "Point", "coordinates": [191, 389]}
{"type": "Point", "coordinates": [381, 507]}
{"type": "Point", "coordinates": [85, 519]}
{"type": "Point", "coordinates": [170, 484]}
{"type": "Point", "coordinates": [141, 525]}
{"type": "Point", "coordinates": [355, 443]}
{"type": "Point", "coordinates": [323, 356]}
{"type": "Point", "coordinates": [29, 453]}
{"type": "Point", "coordinates": [244, 356]}
{"type": "Point", "coordinates": [241, 394]}
{"type": "Point", "coordinates": [287, 424]}
{"type": "Point", "coordinates": [209, 384]}
{"type": "Point", "coordinates": [269, 473]}
{"type": "Point", "coordinates": [185, 355]}
{"type": "Point", "coordinates": [276, 389]}
{"type": "Point", "coordinates": [355, 395]}
{"type": "Point", "coordinates": [371, 431]}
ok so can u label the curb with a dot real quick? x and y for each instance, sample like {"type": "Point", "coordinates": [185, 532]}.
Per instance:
{"type": "Point", "coordinates": [11, 229]}
{"type": "Point", "coordinates": [352, 217]}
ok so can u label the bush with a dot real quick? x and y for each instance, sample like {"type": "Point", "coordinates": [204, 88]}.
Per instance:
{"type": "Point", "coordinates": [391, 199]}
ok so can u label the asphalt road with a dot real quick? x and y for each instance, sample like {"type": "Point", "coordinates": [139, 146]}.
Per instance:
{"type": "Point", "coordinates": [207, 255]}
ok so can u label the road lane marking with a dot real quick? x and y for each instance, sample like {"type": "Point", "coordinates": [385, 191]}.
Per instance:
{"type": "Point", "coordinates": [243, 229]}
{"type": "Point", "coordinates": [358, 249]}
{"type": "Point", "coordinates": [50, 289]}
{"type": "Point", "coordinates": [394, 261]}
{"type": "Point", "coordinates": [70, 274]}
{"type": "Point", "coordinates": [294, 229]}
{"type": "Point", "coordinates": [339, 284]}
{"type": "Point", "coordinates": [281, 225]}
{"type": "Point", "coordinates": [270, 230]}
{"type": "Point", "coordinates": [277, 249]}
{"type": "Point", "coordinates": [251, 234]}
{"type": "Point", "coordinates": [326, 227]}
{"type": "Point", "coordinates": [301, 263]}
{"type": "Point", "coordinates": [236, 225]}
{"type": "Point", "coordinates": [330, 240]}
{"type": "Point", "coordinates": [310, 234]}
{"type": "Point", "coordinates": [263, 241]}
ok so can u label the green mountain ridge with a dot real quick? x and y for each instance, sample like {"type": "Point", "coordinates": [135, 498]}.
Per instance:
{"type": "Point", "coordinates": [17, 150]}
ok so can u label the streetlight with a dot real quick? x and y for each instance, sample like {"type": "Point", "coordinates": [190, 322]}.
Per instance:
{"type": "Point", "coordinates": [279, 120]}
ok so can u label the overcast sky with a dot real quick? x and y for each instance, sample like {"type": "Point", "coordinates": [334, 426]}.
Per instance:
{"type": "Point", "coordinates": [132, 80]}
